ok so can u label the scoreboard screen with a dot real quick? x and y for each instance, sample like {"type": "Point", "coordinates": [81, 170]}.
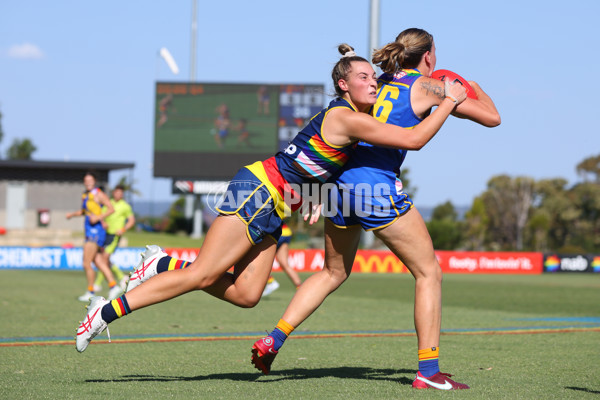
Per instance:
{"type": "Point", "coordinates": [210, 130]}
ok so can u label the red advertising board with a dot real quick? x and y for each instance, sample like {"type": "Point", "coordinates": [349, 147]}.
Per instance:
{"type": "Point", "coordinates": [375, 261]}
{"type": "Point", "coordinates": [312, 260]}
{"type": "Point", "coordinates": [472, 262]}
{"type": "Point", "coordinates": [182, 253]}
{"type": "Point", "coordinates": [383, 261]}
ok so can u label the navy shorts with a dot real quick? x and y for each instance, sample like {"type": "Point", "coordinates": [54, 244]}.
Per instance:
{"type": "Point", "coordinates": [371, 209]}
{"type": "Point", "coordinates": [95, 234]}
{"type": "Point", "coordinates": [283, 239]}
{"type": "Point", "coordinates": [249, 198]}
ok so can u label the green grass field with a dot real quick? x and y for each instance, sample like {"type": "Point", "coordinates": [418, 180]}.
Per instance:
{"type": "Point", "coordinates": [508, 337]}
{"type": "Point", "coordinates": [141, 239]}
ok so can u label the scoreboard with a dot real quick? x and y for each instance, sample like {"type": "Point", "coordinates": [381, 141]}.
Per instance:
{"type": "Point", "coordinates": [297, 105]}
{"type": "Point", "coordinates": [210, 130]}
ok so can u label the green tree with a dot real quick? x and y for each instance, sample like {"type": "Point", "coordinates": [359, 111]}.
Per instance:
{"type": "Point", "coordinates": [508, 203]}
{"type": "Point", "coordinates": [406, 184]}
{"type": "Point", "coordinates": [559, 213]}
{"type": "Point", "coordinates": [444, 227]}
{"type": "Point", "coordinates": [537, 230]}
{"type": "Point", "coordinates": [21, 150]}
{"type": "Point", "coordinates": [547, 215]}
{"type": "Point", "coordinates": [590, 166]}
{"type": "Point", "coordinates": [475, 226]}
{"type": "Point", "coordinates": [585, 231]}
{"type": "Point", "coordinates": [176, 217]}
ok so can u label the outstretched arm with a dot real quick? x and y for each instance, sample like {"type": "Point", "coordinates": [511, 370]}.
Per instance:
{"type": "Point", "coordinates": [343, 125]}
{"type": "Point", "coordinates": [77, 213]}
{"type": "Point", "coordinates": [366, 128]}
{"type": "Point", "coordinates": [429, 92]}
{"type": "Point", "coordinates": [483, 111]}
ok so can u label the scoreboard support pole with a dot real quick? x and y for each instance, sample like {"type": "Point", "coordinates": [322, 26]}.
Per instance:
{"type": "Point", "coordinates": [198, 220]}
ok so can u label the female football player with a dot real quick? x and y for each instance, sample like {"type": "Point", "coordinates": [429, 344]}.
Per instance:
{"type": "Point", "coordinates": [95, 207]}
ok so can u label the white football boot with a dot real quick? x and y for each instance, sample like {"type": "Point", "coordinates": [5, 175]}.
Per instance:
{"type": "Point", "coordinates": [146, 268]}
{"type": "Point", "coordinates": [92, 324]}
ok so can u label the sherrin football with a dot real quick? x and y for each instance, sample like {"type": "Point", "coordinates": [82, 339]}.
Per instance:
{"type": "Point", "coordinates": [443, 74]}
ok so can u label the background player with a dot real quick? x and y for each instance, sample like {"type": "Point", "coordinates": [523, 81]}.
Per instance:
{"type": "Point", "coordinates": [264, 100]}
{"type": "Point", "coordinates": [164, 106]}
{"type": "Point", "coordinates": [116, 225]}
{"type": "Point", "coordinates": [93, 199]}
{"type": "Point", "coordinates": [222, 124]}
{"type": "Point", "coordinates": [244, 135]}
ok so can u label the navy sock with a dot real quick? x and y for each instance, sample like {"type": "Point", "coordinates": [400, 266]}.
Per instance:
{"type": "Point", "coordinates": [278, 338]}
{"type": "Point", "coordinates": [429, 368]}
{"type": "Point", "coordinates": [163, 264]}
{"type": "Point", "coordinates": [115, 309]}
{"type": "Point", "coordinates": [429, 361]}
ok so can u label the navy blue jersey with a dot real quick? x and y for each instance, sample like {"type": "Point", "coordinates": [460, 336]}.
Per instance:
{"type": "Point", "coordinates": [309, 157]}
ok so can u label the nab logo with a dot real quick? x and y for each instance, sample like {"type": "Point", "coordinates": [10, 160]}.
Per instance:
{"type": "Point", "coordinates": [576, 264]}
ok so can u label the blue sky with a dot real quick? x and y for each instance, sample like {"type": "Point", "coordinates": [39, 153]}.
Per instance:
{"type": "Point", "coordinates": [77, 77]}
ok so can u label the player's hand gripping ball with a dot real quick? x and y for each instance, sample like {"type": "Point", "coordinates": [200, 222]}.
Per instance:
{"type": "Point", "coordinates": [443, 74]}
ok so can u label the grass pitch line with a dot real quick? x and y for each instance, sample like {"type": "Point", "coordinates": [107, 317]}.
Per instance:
{"type": "Point", "coordinates": [201, 337]}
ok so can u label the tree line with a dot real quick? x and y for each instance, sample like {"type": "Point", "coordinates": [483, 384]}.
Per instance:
{"type": "Point", "coordinates": [522, 214]}
{"type": "Point", "coordinates": [20, 149]}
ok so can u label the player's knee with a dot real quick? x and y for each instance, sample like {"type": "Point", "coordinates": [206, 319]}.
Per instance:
{"type": "Point", "coordinates": [430, 272]}
{"type": "Point", "coordinates": [249, 301]}
{"type": "Point", "coordinates": [433, 273]}
{"type": "Point", "coordinates": [198, 276]}
{"type": "Point", "coordinates": [245, 298]}
{"type": "Point", "coordinates": [201, 281]}
{"type": "Point", "coordinates": [336, 276]}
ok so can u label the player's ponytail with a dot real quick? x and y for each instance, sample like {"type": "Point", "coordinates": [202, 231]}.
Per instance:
{"type": "Point", "coordinates": [390, 57]}
{"type": "Point", "coordinates": [405, 52]}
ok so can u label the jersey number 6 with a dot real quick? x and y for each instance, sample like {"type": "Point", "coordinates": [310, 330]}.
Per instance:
{"type": "Point", "coordinates": [383, 107]}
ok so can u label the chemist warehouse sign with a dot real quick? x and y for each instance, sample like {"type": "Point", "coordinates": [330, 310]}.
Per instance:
{"type": "Point", "coordinates": [60, 258]}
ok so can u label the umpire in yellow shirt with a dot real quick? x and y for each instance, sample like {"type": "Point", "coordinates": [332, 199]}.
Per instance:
{"type": "Point", "coordinates": [116, 225]}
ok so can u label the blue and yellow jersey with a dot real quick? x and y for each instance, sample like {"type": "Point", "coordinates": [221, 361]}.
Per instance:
{"type": "Point", "coordinates": [378, 164]}
{"type": "Point", "coordinates": [90, 204]}
{"type": "Point", "coordinates": [393, 98]}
